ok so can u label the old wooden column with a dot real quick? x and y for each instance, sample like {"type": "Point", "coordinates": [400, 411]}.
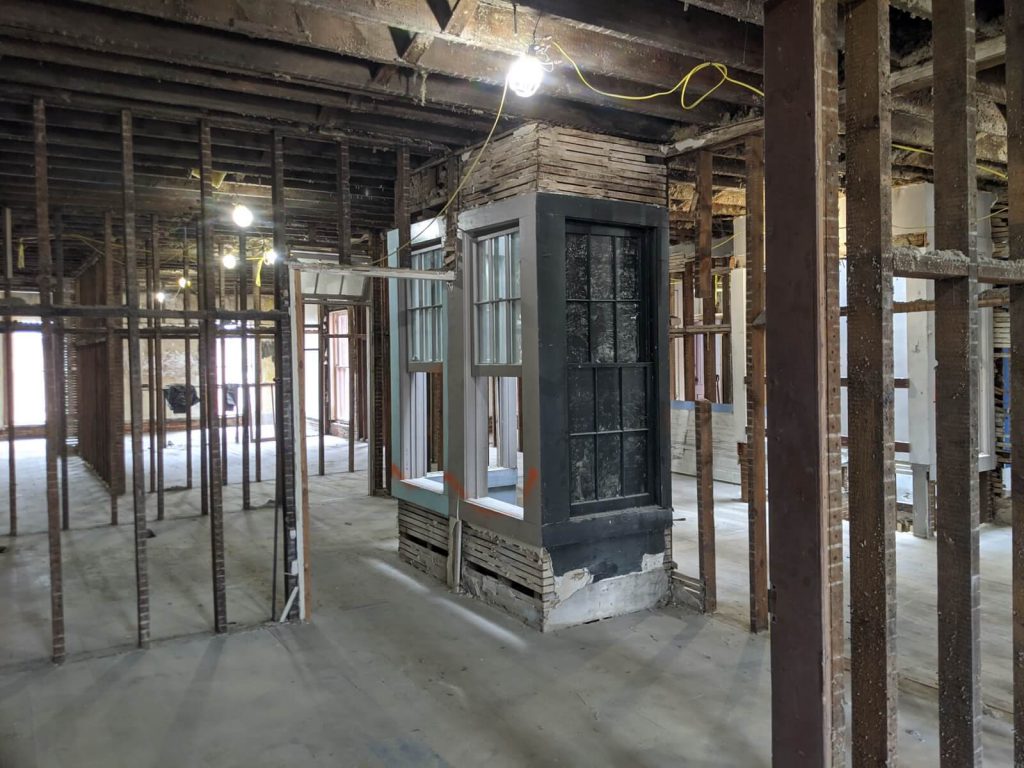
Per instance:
{"type": "Point", "coordinates": [757, 504]}
{"type": "Point", "coordinates": [50, 377]}
{"type": "Point", "coordinates": [705, 271]}
{"type": "Point", "coordinates": [1014, 26]}
{"type": "Point", "coordinates": [131, 277]}
{"type": "Point", "coordinates": [800, 82]}
{"type": "Point", "coordinates": [956, 390]}
{"type": "Point", "coordinates": [208, 370]}
{"type": "Point", "coordinates": [870, 372]}
{"type": "Point", "coordinates": [12, 472]}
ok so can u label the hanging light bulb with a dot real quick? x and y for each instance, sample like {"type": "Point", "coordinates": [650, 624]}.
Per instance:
{"type": "Point", "coordinates": [160, 296]}
{"type": "Point", "coordinates": [525, 75]}
{"type": "Point", "coordinates": [230, 261]}
{"type": "Point", "coordinates": [242, 216]}
{"type": "Point", "coordinates": [270, 257]}
{"type": "Point", "coordinates": [182, 282]}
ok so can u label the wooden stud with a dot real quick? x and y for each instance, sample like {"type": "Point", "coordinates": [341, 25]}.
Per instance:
{"type": "Point", "coordinates": [185, 292]}
{"type": "Point", "coordinates": [757, 503]}
{"type": "Point", "coordinates": [350, 344]}
{"type": "Point", "coordinates": [158, 353]}
{"type": "Point", "coordinates": [12, 472]}
{"type": "Point", "coordinates": [706, 503]}
{"type": "Point", "coordinates": [61, 342]}
{"type": "Point", "coordinates": [705, 276]}
{"type": "Point", "coordinates": [49, 365]}
{"type": "Point", "coordinates": [113, 346]}
{"type": "Point", "coordinates": [798, 48]}
{"type": "Point", "coordinates": [1013, 23]}
{"type": "Point", "coordinates": [956, 390]}
{"type": "Point", "coordinates": [208, 370]}
{"type": "Point", "coordinates": [135, 381]}
{"type": "Point", "coordinates": [284, 428]}
{"type": "Point", "coordinates": [402, 220]}
{"type": "Point", "coordinates": [204, 392]}
{"type": "Point", "coordinates": [244, 401]}
{"type": "Point", "coordinates": [321, 384]}
{"type": "Point", "coordinates": [344, 203]}
{"type": "Point", "coordinates": [872, 467]}
{"type": "Point", "coordinates": [689, 342]}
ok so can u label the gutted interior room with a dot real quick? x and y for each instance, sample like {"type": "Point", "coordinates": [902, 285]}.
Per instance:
{"type": "Point", "coordinates": [465, 382]}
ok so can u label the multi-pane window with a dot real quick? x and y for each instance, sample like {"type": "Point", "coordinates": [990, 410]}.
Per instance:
{"type": "Point", "coordinates": [610, 370]}
{"type": "Point", "coordinates": [497, 302]}
{"type": "Point", "coordinates": [424, 310]}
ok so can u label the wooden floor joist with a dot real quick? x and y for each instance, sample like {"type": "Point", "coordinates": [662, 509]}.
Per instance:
{"type": "Point", "coordinates": [1013, 22]}
{"type": "Point", "coordinates": [872, 470]}
{"type": "Point", "coordinates": [799, 48]}
{"type": "Point", "coordinates": [956, 391]}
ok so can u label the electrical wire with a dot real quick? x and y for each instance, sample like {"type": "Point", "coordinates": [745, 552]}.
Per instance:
{"type": "Point", "coordinates": [462, 181]}
{"type": "Point", "coordinates": [918, 151]}
{"type": "Point", "coordinates": [681, 86]}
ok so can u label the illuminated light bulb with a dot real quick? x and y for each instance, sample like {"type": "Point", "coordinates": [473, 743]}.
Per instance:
{"type": "Point", "coordinates": [270, 257]}
{"type": "Point", "coordinates": [525, 75]}
{"type": "Point", "coordinates": [242, 216]}
{"type": "Point", "coordinates": [182, 282]}
{"type": "Point", "coordinates": [230, 261]}
{"type": "Point", "coordinates": [160, 296]}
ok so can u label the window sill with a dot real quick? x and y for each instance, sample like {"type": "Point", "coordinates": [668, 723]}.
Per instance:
{"type": "Point", "coordinates": [501, 507]}
{"type": "Point", "coordinates": [426, 483]}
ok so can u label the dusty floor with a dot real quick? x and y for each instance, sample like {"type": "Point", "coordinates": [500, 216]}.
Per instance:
{"type": "Point", "coordinates": [394, 670]}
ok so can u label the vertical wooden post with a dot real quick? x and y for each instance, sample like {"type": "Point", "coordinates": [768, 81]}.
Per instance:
{"type": "Point", "coordinates": [135, 379]}
{"type": "Point", "coordinates": [244, 401]}
{"type": "Point", "coordinates": [188, 361]}
{"type": "Point", "coordinates": [757, 502]}
{"type": "Point", "coordinates": [872, 462]}
{"type": "Point", "coordinates": [222, 392]}
{"type": "Point", "coordinates": [285, 428]}
{"type": "Point", "coordinates": [208, 280]}
{"type": "Point", "coordinates": [799, 48]}
{"type": "Point", "coordinates": [705, 504]}
{"type": "Point", "coordinates": [158, 395]}
{"type": "Point", "coordinates": [204, 393]}
{"type": "Point", "coordinates": [402, 220]}
{"type": "Point", "coordinates": [956, 390]}
{"type": "Point", "coordinates": [350, 345]}
{"type": "Point", "coordinates": [49, 359]}
{"type": "Point", "coordinates": [321, 386]}
{"type": "Point", "coordinates": [344, 204]}
{"type": "Point", "coordinates": [150, 303]}
{"type": "Point", "coordinates": [689, 340]}
{"type": "Point", "coordinates": [1013, 22]}
{"type": "Point", "coordinates": [62, 395]}
{"type": "Point", "coordinates": [12, 472]}
{"type": "Point", "coordinates": [705, 275]}
{"type": "Point", "coordinates": [115, 418]}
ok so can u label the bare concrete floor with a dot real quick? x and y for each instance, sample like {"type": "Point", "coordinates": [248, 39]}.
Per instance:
{"type": "Point", "coordinates": [393, 671]}
{"type": "Point", "coordinates": [916, 617]}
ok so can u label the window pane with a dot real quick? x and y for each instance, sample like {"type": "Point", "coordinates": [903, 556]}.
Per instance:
{"type": "Point", "coordinates": [581, 455]}
{"type": "Point", "coordinates": [629, 332]}
{"type": "Point", "coordinates": [628, 268]}
{"type": "Point", "coordinates": [634, 398]}
{"type": "Point", "coordinates": [602, 284]}
{"type": "Point", "coordinates": [484, 333]}
{"type": "Point", "coordinates": [514, 258]}
{"type": "Point", "coordinates": [517, 331]}
{"type": "Point", "coordinates": [581, 400]}
{"type": "Point", "coordinates": [483, 271]}
{"type": "Point", "coordinates": [576, 266]}
{"type": "Point", "coordinates": [577, 331]}
{"type": "Point", "coordinates": [602, 332]}
{"type": "Point", "coordinates": [634, 464]}
{"type": "Point", "coordinates": [501, 332]}
{"type": "Point", "coordinates": [609, 468]}
{"type": "Point", "coordinates": [607, 397]}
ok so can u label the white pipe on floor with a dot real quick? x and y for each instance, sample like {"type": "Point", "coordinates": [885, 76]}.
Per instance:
{"type": "Point", "coordinates": [288, 605]}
